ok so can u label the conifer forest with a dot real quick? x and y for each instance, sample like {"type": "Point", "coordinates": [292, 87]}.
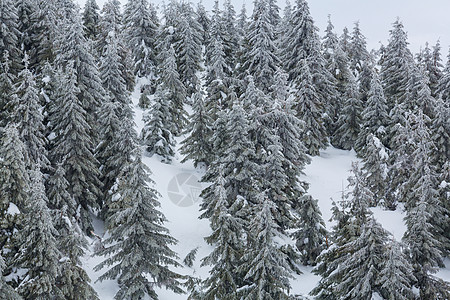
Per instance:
{"type": "Point", "coordinates": [108, 114]}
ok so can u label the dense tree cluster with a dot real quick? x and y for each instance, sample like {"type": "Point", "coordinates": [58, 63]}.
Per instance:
{"type": "Point", "coordinates": [264, 93]}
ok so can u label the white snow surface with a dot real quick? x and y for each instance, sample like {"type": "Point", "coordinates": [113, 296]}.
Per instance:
{"type": "Point", "coordinates": [327, 175]}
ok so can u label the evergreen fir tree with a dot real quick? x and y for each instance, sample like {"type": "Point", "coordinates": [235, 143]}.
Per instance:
{"type": "Point", "coordinates": [308, 106]}
{"type": "Point", "coordinates": [111, 75]}
{"type": "Point", "coordinates": [25, 18]}
{"type": "Point", "coordinates": [237, 161]}
{"type": "Point", "coordinates": [261, 59]}
{"type": "Point", "coordinates": [9, 34]}
{"type": "Point", "coordinates": [140, 26]}
{"type": "Point", "coordinates": [91, 19]}
{"type": "Point", "coordinates": [395, 279]}
{"type": "Point", "coordinates": [375, 117]}
{"type": "Point", "coordinates": [230, 35]}
{"type": "Point", "coordinates": [360, 270]}
{"type": "Point", "coordinates": [440, 133]}
{"type": "Point", "coordinates": [38, 251]}
{"type": "Point", "coordinates": [204, 21]}
{"type": "Point", "coordinates": [7, 80]}
{"type": "Point", "coordinates": [75, 49]}
{"type": "Point", "coordinates": [267, 272]}
{"type": "Point", "coordinates": [196, 146]}
{"type": "Point", "coordinates": [226, 238]}
{"type": "Point", "coordinates": [304, 43]}
{"type": "Point", "coordinates": [156, 134]}
{"type": "Point", "coordinates": [139, 243]}
{"type": "Point", "coordinates": [311, 235]}
{"type": "Point", "coordinates": [73, 146]}
{"type": "Point", "coordinates": [375, 166]}
{"type": "Point", "coordinates": [28, 117]}
{"type": "Point", "coordinates": [5, 290]}
{"type": "Point", "coordinates": [14, 177]}
{"type": "Point", "coordinates": [358, 53]}
{"type": "Point", "coordinates": [396, 65]}
{"type": "Point", "coordinates": [349, 123]}
{"type": "Point", "coordinates": [432, 63]}
{"type": "Point", "coordinates": [188, 47]}
{"type": "Point", "coordinates": [73, 280]}
{"type": "Point", "coordinates": [174, 90]}
{"type": "Point", "coordinates": [14, 187]}
{"type": "Point", "coordinates": [111, 23]}
{"type": "Point", "coordinates": [443, 89]}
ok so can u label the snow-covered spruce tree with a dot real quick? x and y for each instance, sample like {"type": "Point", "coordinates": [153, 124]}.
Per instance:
{"type": "Point", "coordinates": [329, 41]}
{"type": "Point", "coordinates": [308, 106]}
{"type": "Point", "coordinates": [360, 270]}
{"type": "Point", "coordinates": [73, 48]}
{"type": "Point", "coordinates": [138, 245]}
{"type": "Point", "coordinates": [237, 162]}
{"type": "Point", "coordinates": [353, 235]}
{"type": "Point", "coordinates": [188, 47]}
{"type": "Point", "coordinates": [7, 89]}
{"type": "Point", "coordinates": [444, 196]}
{"type": "Point", "coordinates": [156, 134]}
{"type": "Point", "coordinates": [174, 89]}
{"type": "Point", "coordinates": [204, 21]}
{"type": "Point", "coordinates": [44, 30]}
{"type": "Point", "coordinates": [432, 62]}
{"type": "Point", "coordinates": [196, 146]}
{"type": "Point", "coordinates": [374, 117]}
{"type": "Point", "coordinates": [396, 64]}
{"type": "Point", "coordinates": [230, 35]}
{"type": "Point", "coordinates": [400, 165]}
{"type": "Point", "coordinates": [419, 157]}
{"type": "Point", "coordinates": [304, 43]}
{"type": "Point", "coordinates": [344, 40]}
{"type": "Point", "coordinates": [9, 34]}
{"type": "Point", "coordinates": [282, 117]}
{"type": "Point", "coordinates": [73, 146]}
{"type": "Point", "coordinates": [38, 250]}
{"type": "Point", "coordinates": [73, 280]}
{"type": "Point", "coordinates": [26, 18]}
{"type": "Point", "coordinates": [227, 226]}
{"type": "Point", "coordinates": [358, 53]}
{"type": "Point", "coordinates": [241, 25]}
{"type": "Point", "coordinates": [14, 178]}
{"type": "Point", "coordinates": [91, 19]}
{"type": "Point", "coordinates": [261, 60]}
{"type": "Point", "coordinates": [311, 235]}
{"type": "Point", "coordinates": [338, 65]}
{"type": "Point", "coordinates": [267, 273]}
{"type": "Point", "coordinates": [443, 89]}
{"type": "Point", "coordinates": [395, 279]}
{"type": "Point", "coordinates": [418, 96]}
{"type": "Point", "coordinates": [29, 119]}
{"type": "Point", "coordinates": [375, 166]}
{"type": "Point", "coordinates": [14, 187]}
{"type": "Point", "coordinates": [217, 70]}
{"type": "Point", "coordinates": [440, 133]}
{"type": "Point", "coordinates": [111, 22]}
{"type": "Point", "coordinates": [140, 26]}
{"type": "Point", "coordinates": [276, 181]}
{"type": "Point", "coordinates": [5, 290]}
{"type": "Point", "coordinates": [114, 83]}
{"type": "Point", "coordinates": [106, 152]}
{"type": "Point", "coordinates": [348, 126]}
{"type": "Point", "coordinates": [423, 245]}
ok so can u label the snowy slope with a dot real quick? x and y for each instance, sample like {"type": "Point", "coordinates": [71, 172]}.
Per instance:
{"type": "Point", "coordinates": [179, 189]}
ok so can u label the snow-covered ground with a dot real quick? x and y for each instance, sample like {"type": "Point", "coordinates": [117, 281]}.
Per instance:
{"type": "Point", "coordinates": [179, 189]}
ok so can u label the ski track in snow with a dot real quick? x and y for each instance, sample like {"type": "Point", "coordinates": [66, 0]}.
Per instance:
{"type": "Point", "coordinates": [327, 176]}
